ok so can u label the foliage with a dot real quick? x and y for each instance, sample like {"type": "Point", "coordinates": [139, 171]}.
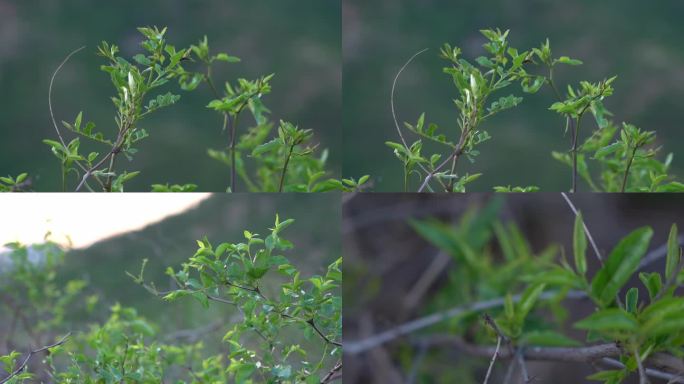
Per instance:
{"type": "Point", "coordinates": [292, 337]}
{"type": "Point", "coordinates": [15, 184]}
{"type": "Point", "coordinates": [625, 158]}
{"type": "Point", "coordinates": [644, 321]}
{"type": "Point", "coordinates": [233, 273]}
{"type": "Point", "coordinates": [287, 162]}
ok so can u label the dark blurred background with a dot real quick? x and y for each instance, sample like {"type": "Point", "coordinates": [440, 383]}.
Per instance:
{"type": "Point", "coordinates": [390, 276]}
{"type": "Point", "coordinates": [635, 40]}
{"type": "Point", "coordinates": [298, 40]}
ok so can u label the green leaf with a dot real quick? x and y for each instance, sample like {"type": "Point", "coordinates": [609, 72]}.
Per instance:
{"type": "Point", "coordinates": [548, 339]}
{"type": "Point", "coordinates": [652, 282]}
{"type": "Point", "coordinates": [621, 264]}
{"type": "Point", "coordinates": [632, 300]}
{"type": "Point", "coordinates": [608, 320]}
{"type": "Point", "coordinates": [673, 254]}
{"type": "Point", "coordinates": [266, 147]}
{"type": "Point", "coordinates": [579, 245]}
{"type": "Point", "coordinates": [227, 58]}
{"type": "Point", "coordinates": [528, 300]}
{"type": "Point", "coordinates": [569, 61]}
{"type": "Point", "coordinates": [663, 317]}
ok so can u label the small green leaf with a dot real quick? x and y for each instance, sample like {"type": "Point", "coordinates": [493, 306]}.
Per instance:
{"type": "Point", "coordinates": [548, 339]}
{"type": "Point", "coordinates": [608, 320]}
{"type": "Point", "coordinates": [528, 300]}
{"type": "Point", "coordinates": [621, 264]}
{"type": "Point", "coordinates": [652, 282]}
{"type": "Point", "coordinates": [632, 300]}
{"type": "Point", "coordinates": [569, 61]}
{"type": "Point", "coordinates": [673, 254]}
{"type": "Point", "coordinates": [579, 245]}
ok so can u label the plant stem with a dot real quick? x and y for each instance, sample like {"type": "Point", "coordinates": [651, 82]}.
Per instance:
{"type": "Point", "coordinates": [233, 167]}
{"type": "Point", "coordinates": [287, 161]}
{"type": "Point", "coordinates": [575, 130]}
{"type": "Point", "coordinates": [629, 164]}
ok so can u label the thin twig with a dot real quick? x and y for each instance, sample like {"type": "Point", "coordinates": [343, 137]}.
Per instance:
{"type": "Point", "coordinates": [603, 353]}
{"type": "Point", "coordinates": [586, 230]}
{"type": "Point", "coordinates": [491, 363]}
{"type": "Point", "coordinates": [523, 367]}
{"type": "Point", "coordinates": [394, 114]}
{"type": "Point", "coordinates": [334, 374]}
{"type": "Point", "coordinates": [52, 114]}
{"type": "Point", "coordinates": [22, 366]}
{"type": "Point", "coordinates": [417, 361]}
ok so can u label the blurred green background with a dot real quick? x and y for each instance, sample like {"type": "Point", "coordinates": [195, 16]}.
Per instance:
{"type": "Point", "coordinates": [640, 42]}
{"type": "Point", "coordinates": [299, 40]}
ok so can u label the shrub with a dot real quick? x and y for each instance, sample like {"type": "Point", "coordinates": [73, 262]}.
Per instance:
{"type": "Point", "coordinates": [623, 158]}
{"type": "Point", "coordinates": [288, 329]}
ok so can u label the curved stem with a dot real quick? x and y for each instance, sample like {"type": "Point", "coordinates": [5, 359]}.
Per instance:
{"type": "Point", "coordinates": [394, 114]}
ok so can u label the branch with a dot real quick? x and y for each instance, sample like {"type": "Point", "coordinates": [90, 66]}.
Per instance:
{"type": "Point", "coordinates": [358, 346]}
{"type": "Point", "coordinates": [334, 374]}
{"type": "Point", "coordinates": [394, 114]}
{"type": "Point", "coordinates": [586, 230]}
{"type": "Point", "coordinates": [604, 353]}
{"type": "Point", "coordinates": [22, 366]}
{"type": "Point", "coordinates": [491, 363]}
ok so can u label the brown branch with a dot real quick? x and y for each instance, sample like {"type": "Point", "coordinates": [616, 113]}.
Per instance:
{"type": "Point", "coordinates": [334, 374]}
{"type": "Point", "coordinates": [667, 364]}
{"type": "Point", "coordinates": [586, 230]}
{"type": "Point", "coordinates": [22, 366]}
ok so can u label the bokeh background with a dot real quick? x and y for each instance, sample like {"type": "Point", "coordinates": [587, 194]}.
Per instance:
{"type": "Point", "coordinates": [299, 40]}
{"type": "Point", "coordinates": [392, 275]}
{"type": "Point", "coordinates": [635, 40]}
{"type": "Point", "coordinates": [170, 241]}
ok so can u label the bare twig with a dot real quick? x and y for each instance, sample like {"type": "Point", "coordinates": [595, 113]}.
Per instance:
{"type": "Point", "coordinates": [52, 80]}
{"type": "Point", "coordinates": [52, 114]}
{"type": "Point", "coordinates": [523, 367]}
{"type": "Point", "coordinates": [491, 363]}
{"type": "Point", "coordinates": [603, 353]}
{"type": "Point", "coordinates": [22, 366]}
{"type": "Point", "coordinates": [334, 374]}
{"type": "Point", "coordinates": [586, 230]}
{"type": "Point", "coordinates": [417, 361]}
{"type": "Point", "coordinates": [640, 366]}
{"type": "Point", "coordinates": [394, 114]}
